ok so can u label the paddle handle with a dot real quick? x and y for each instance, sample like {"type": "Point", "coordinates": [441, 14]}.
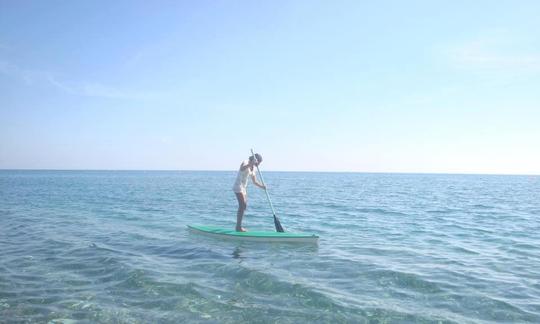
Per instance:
{"type": "Point", "coordinates": [277, 223]}
{"type": "Point", "coordinates": [262, 180]}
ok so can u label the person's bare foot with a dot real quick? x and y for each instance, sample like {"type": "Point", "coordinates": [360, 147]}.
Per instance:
{"type": "Point", "coordinates": [241, 229]}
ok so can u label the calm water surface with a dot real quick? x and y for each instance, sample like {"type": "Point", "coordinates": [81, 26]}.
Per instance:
{"type": "Point", "coordinates": [112, 246]}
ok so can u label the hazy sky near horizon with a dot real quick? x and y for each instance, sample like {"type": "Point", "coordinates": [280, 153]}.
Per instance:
{"type": "Point", "coordinates": [379, 86]}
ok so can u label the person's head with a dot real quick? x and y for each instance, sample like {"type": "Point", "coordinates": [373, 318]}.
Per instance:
{"type": "Point", "coordinates": [257, 160]}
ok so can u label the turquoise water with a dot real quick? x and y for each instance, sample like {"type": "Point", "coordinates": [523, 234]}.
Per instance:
{"type": "Point", "coordinates": [112, 246]}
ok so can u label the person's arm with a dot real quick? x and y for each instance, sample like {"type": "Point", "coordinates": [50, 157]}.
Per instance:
{"type": "Point", "coordinates": [260, 185]}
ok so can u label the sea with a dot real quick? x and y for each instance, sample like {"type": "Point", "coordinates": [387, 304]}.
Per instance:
{"type": "Point", "coordinates": [113, 247]}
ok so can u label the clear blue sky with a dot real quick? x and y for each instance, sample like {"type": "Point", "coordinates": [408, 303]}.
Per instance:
{"type": "Point", "coordinates": [378, 86]}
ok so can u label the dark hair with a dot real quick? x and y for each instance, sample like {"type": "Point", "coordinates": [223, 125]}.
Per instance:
{"type": "Point", "coordinates": [257, 156]}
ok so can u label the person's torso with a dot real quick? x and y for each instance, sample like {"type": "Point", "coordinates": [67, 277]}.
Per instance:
{"type": "Point", "coordinates": [243, 176]}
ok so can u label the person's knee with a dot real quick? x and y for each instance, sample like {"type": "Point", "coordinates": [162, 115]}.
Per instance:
{"type": "Point", "coordinates": [243, 206]}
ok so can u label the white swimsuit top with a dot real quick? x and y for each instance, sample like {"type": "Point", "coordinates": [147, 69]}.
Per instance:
{"type": "Point", "coordinates": [241, 182]}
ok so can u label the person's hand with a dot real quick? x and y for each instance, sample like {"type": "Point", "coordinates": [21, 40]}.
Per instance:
{"type": "Point", "coordinates": [263, 187]}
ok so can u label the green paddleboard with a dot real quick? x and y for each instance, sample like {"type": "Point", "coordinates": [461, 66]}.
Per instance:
{"type": "Point", "coordinates": [260, 236]}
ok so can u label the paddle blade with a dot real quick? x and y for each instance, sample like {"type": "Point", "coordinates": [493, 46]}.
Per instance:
{"type": "Point", "coordinates": [279, 228]}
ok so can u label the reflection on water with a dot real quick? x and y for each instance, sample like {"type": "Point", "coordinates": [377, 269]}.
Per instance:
{"type": "Point", "coordinates": [237, 253]}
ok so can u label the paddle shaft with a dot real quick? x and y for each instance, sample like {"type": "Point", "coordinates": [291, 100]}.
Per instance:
{"type": "Point", "coordinates": [276, 220]}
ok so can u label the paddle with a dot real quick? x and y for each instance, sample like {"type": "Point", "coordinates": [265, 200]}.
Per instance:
{"type": "Point", "coordinates": [279, 228]}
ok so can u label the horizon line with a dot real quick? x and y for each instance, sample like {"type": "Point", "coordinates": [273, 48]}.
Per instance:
{"type": "Point", "coordinates": [291, 171]}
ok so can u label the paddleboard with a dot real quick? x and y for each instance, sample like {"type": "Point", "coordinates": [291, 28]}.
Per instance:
{"type": "Point", "coordinates": [259, 236]}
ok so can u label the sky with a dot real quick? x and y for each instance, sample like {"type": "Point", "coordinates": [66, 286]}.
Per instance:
{"type": "Point", "coordinates": [354, 86]}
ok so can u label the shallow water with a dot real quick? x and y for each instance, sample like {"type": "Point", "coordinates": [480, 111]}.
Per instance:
{"type": "Point", "coordinates": [112, 246]}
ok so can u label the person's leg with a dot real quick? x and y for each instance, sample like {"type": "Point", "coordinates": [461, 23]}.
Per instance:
{"type": "Point", "coordinates": [242, 205]}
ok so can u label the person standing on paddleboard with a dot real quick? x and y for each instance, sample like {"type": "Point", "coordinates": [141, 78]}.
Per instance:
{"type": "Point", "coordinates": [247, 169]}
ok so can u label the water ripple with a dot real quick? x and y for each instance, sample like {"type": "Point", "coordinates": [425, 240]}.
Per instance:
{"type": "Point", "coordinates": [102, 247]}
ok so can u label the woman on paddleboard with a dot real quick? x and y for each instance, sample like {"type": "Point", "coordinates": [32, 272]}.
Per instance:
{"type": "Point", "coordinates": [247, 169]}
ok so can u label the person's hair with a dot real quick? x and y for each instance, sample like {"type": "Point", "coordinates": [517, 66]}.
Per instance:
{"type": "Point", "coordinates": [257, 156]}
